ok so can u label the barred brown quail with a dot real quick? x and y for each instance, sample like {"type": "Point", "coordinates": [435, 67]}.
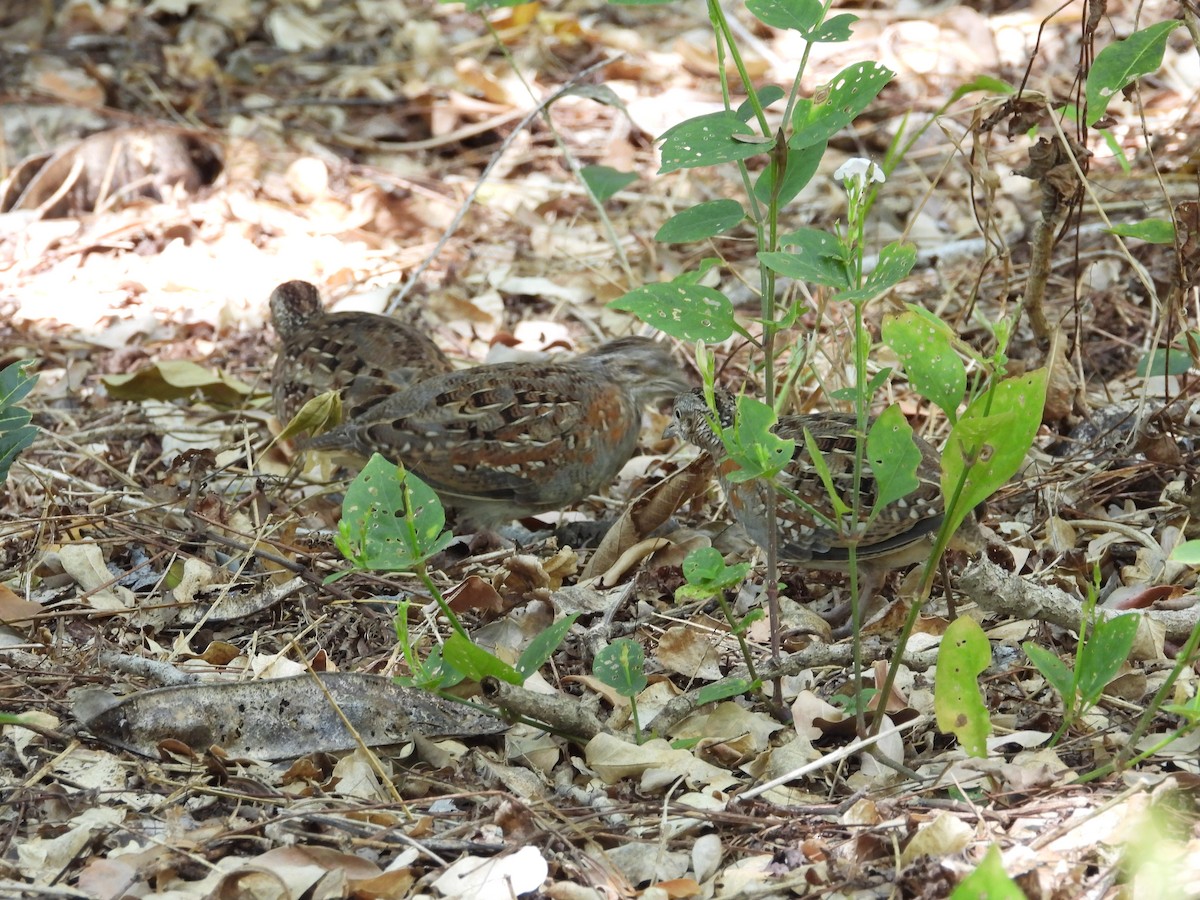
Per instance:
{"type": "Point", "coordinates": [363, 356]}
{"type": "Point", "coordinates": [499, 442]}
{"type": "Point", "coordinates": [901, 534]}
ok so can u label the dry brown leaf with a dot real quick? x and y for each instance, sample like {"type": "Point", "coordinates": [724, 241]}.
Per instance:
{"type": "Point", "coordinates": [648, 511]}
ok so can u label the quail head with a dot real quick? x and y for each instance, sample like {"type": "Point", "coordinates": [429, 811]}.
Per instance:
{"type": "Point", "coordinates": [498, 442]}
{"type": "Point", "coordinates": [808, 533]}
{"type": "Point", "coordinates": [363, 356]}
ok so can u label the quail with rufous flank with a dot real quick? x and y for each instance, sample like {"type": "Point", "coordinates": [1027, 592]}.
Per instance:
{"type": "Point", "coordinates": [807, 534]}
{"type": "Point", "coordinates": [363, 356]}
{"type": "Point", "coordinates": [499, 442]}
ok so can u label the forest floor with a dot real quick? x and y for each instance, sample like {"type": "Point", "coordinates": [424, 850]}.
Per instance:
{"type": "Point", "coordinates": [168, 164]}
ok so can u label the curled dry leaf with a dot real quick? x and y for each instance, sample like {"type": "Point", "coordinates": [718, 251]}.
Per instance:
{"type": "Point", "coordinates": [651, 509]}
{"type": "Point", "coordinates": [283, 718]}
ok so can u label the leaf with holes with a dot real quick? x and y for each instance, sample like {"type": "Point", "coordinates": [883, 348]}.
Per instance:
{"type": "Point", "coordinates": [923, 343]}
{"type": "Point", "coordinates": [893, 457]}
{"type": "Point", "coordinates": [895, 262]}
{"type": "Point", "coordinates": [963, 656]}
{"type": "Point", "coordinates": [689, 312]}
{"type": "Point", "coordinates": [989, 442]}
{"type": "Point", "coordinates": [849, 93]}
{"type": "Point", "coordinates": [706, 141]}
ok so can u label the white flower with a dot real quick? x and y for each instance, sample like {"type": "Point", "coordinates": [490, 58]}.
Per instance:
{"type": "Point", "coordinates": [860, 171]}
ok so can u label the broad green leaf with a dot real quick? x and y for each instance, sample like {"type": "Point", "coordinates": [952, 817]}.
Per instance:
{"type": "Point", "coordinates": [373, 531]}
{"type": "Point", "coordinates": [963, 656]}
{"type": "Point", "coordinates": [1152, 231]}
{"type": "Point", "coordinates": [801, 166]}
{"type": "Point", "coordinates": [989, 442]}
{"type": "Point", "coordinates": [895, 262]}
{"type": "Point", "coordinates": [475, 662]}
{"type": "Point", "coordinates": [622, 666]}
{"type": "Point", "coordinates": [924, 347]}
{"type": "Point", "coordinates": [820, 259]}
{"type": "Point", "coordinates": [752, 445]}
{"type": "Point", "coordinates": [1187, 553]}
{"type": "Point", "coordinates": [803, 16]}
{"type": "Point", "coordinates": [705, 568]}
{"type": "Point", "coordinates": [706, 141]}
{"type": "Point", "coordinates": [689, 312]}
{"type": "Point", "coordinates": [989, 881]}
{"type": "Point", "coordinates": [605, 181]}
{"type": "Point", "coordinates": [849, 93]}
{"type": "Point", "coordinates": [15, 384]}
{"type": "Point", "coordinates": [797, 15]}
{"type": "Point", "coordinates": [704, 220]}
{"type": "Point", "coordinates": [1055, 671]}
{"type": "Point", "coordinates": [1103, 655]}
{"type": "Point", "coordinates": [1164, 361]}
{"type": "Point", "coordinates": [1121, 63]}
{"type": "Point", "coordinates": [893, 457]}
{"type": "Point", "coordinates": [542, 647]}
{"type": "Point", "coordinates": [177, 379]}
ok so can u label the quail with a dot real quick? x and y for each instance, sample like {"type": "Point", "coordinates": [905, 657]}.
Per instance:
{"type": "Point", "coordinates": [363, 356]}
{"type": "Point", "coordinates": [500, 442]}
{"type": "Point", "coordinates": [808, 534]}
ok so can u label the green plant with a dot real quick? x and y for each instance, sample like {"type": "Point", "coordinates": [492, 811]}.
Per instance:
{"type": "Point", "coordinates": [1001, 414]}
{"type": "Point", "coordinates": [15, 431]}
{"type": "Point", "coordinates": [393, 522]}
{"type": "Point", "coordinates": [1102, 648]}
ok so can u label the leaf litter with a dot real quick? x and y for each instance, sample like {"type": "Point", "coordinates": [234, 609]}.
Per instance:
{"type": "Point", "coordinates": [137, 519]}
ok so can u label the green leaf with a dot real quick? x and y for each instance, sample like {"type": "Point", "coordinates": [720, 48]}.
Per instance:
{"type": "Point", "coordinates": [706, 572]}
{"type": "Point", "coordinates": [1103, 655]}
{"type": "Point", "coordinates": [689, 312]}
{"type": "Point", "coordinates": [15, 436]}
{"type": "Point", "coordinates": [803, 16]}
{"type": "Point", "coordinates": [981, 83]}
{"type": "Point", "coordinates": [724, 689]}
{"type": "Point", "coordinates": [801, 166]}
{"type": "Point", "coordinates": [605, 181]}
{"type": "Point", "coordinates": [317, 415]}
{"type": "Point", "coordinates": [752, 445]}
{"type": "Point", "coordinates": [989, 881]}
{"type": "Point", "coordinates": [895, 262]}
{"type": "Point", "coordinates": [989, 441]}
{"type": "Point", "coordinates": [767, 94]}
{"type": "Point", "coordinates": [1121, 63]}
{"type": "Point", "coordinates": [475, 662]}
{"type": "Point", "coordinates": [15, 384]}
{"type": "Point", "coordinates": [622, 666]}
{"type": "Point", "coordinates": [1055, 671]}
{"type": "Point", "coordinates": [1187, 553]}
{"type": "Point", "coordinates": [704, 220]}
{"type": "Point", "coordinates": [542, 647]}
{"type": "Point", "coordinates": [374, 532]}
{"type": "Point", "coordinates": [797, 15]}
{"type": "Point", "coordinates": [923, 344]}
{"type": "Point", "coordinates": [849, 93]}
{"type": "Point", "coordinates": [893, 457]}
{"type": "Point", "coordinates": [963, 656]}
{"type": "Point", "coordinates": [706, 141]}
{"type": "Point", "coordinates": [1164, 361]}
{"type": "Point", "coordinates": [1152, 231]}
{"type": "Point", "coordinates": [821, 258]}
